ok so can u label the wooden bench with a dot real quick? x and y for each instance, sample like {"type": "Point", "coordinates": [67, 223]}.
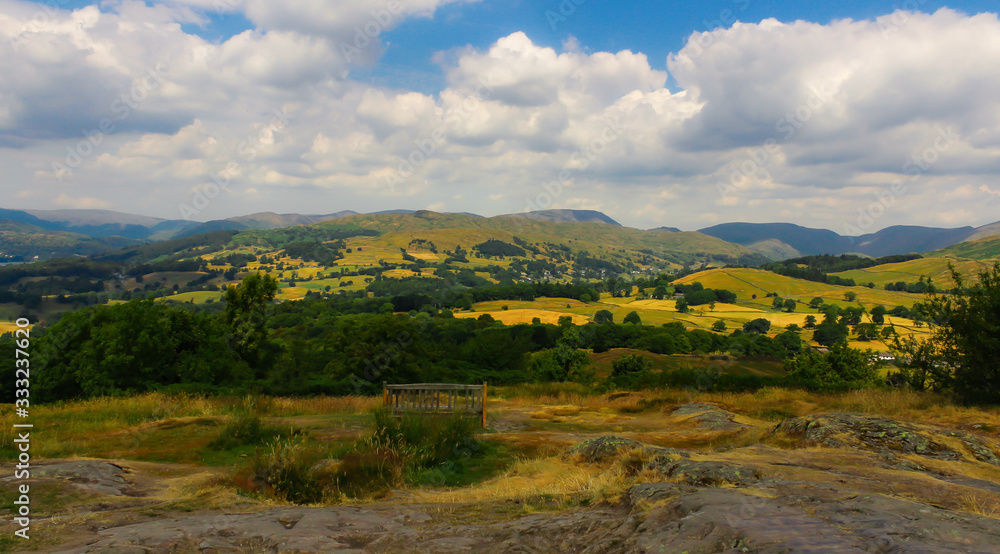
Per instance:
{"type": "Point", "coordinates": [436, 399]}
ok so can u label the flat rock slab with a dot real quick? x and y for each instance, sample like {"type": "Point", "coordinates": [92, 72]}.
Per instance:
{"type": "Point", "coordinates": [339, 529]}
{"type": "Point", "coordinates": [778, 517]}
{"type": "Point", "coordinates": [886, 436]}
{"type": "Point", "coordinates": [90, 475]}
{"type": "Point", "coordinates": [610, 447]}
{"type": "Point", "coordinates": [710, 417]}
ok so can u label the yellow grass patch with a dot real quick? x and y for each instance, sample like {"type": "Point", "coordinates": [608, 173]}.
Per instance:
{"type": "Point", "coordinates": [8, 327]}
{"type": "Point", "coordinates": [198, 297]}
{"type": "Point", "coordinates": [513, 317]}
{"type": "Point", "coordinates": [748, 282]}
{"type": "Point", "coordinates": [424, 255]}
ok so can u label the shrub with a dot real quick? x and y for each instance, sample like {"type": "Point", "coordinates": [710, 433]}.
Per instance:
{"type": "Point", "coordinates": [843, 366]}
{"type": "Point", "coordinates": [411, 448]}
{"type": "Point", "coordinates": [631, 365]}
{"type": "Point", "coordinates": [285, 470]}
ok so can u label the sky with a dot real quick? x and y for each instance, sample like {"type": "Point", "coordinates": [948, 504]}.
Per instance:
{"type": "Point", "coordinates": [851, 116]}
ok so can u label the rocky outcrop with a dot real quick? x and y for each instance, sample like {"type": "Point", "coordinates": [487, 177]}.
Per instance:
{"type": "Point", "coordinates": [95, 476]}
{"type": "Point", "coordinates": [887, 437]}
{"type": "Point", "coordinates": [710, 417]}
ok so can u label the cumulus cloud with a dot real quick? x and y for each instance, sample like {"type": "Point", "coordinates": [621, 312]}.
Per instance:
{"type": "Point", "coordinates": [775, 121]}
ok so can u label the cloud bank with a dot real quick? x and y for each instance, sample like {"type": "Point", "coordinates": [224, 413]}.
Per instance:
{"type": "Point", "coordinates": [121, 107]}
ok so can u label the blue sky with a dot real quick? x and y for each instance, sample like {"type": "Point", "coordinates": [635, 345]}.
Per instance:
{"type": "Point", "coordinates": [889, 117]}
{"type": "Point", "coordinates": [653, 28]}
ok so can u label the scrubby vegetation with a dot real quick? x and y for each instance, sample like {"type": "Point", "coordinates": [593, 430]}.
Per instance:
{"type": "Point", "coordinates": [412, 449]}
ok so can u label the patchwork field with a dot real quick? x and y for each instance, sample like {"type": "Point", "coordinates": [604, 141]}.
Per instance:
{"type": "Point", "coordinates": [748, 282]}
{"type": "Point", "coordinates": [659, 312]}
{"type": "Point", "coordinates": [935, 268]}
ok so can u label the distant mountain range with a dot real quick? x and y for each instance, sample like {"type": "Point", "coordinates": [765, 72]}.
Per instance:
{"type": "Point", "coordinates": [566, 216]}
{"type": "Point", "coordinates": [51, 233]}
{"type": "Point", "coordinates": [785, 240]}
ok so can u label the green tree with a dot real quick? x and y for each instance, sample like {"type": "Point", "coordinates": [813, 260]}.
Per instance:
{"type": "Point", "coordinates": [789, 305]}
{"type": "Point", "coordinates": [850, 296]}
{"type": "Point", "coordinates": [565, 362]}
{"type": "Point", "coordinates": [878, 314]}
{"type": "Point", "coordinates": [246, 315]}
{"type": "Point", "coordinates": [633, 318]}
{"type": "Point", "coordinates": [485, 320]}
{"type": "Point", "coordinates": [920, 364]}
{"type": "Point", "coordinates": [758, 326]}
{"type": "Point", "coordinates": [682, 306]}
{"type": "Point", "coordinates": [829, 333]}
{"type": "Point", "coordinates": [841, 366]}
{"type": "Point", "coordinates": [136, 346]}
{"type": "Point", "coordinates": [603, 317]}
{"type": "Point", "coordinates": [816, 303]}
{"type": "Point", "coordinates": [790, 341]}
{"type": "Point", "coordinates": [810, 321]}
{"type": "Point", "coordinates": [719, 326]}
{"type": "Point", "coordinates": [778, 303]}
{"type": "Point", "coordinates": [632, 364]}
{"type": "Point", "coordinates": [968, 334]}
{"type": "Point", "coordinates": [866, 331]}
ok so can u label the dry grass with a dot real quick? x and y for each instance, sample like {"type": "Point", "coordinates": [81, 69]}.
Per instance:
{"type": "Point", "coordinates": [324, 405]}
{"type": "Point", "coordinates": [980, 505]}
{"type": "Point", "coordinates": [528, 480]}
{"type": "Point", "coordinates": [769, 404]}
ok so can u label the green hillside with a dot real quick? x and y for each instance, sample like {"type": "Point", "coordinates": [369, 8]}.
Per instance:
{"type": "Point", "coordinates": [23, 241]}
{"type": "Point", "coordinates": [982, 249]}
{"type": "Point", "coordinates": [596, 238]}
{"type": "Point", "coordinates": [749, 282]}
{"type": "Point", "coordinates": [935, 267]}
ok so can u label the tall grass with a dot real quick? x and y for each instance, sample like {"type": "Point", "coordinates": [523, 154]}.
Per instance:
{"type": "Point", "coordinates": [287, 470]}
{"type": "Point", "coordinates": [410, 449]}
{"type": "Point", "coordinates": [245, 427]}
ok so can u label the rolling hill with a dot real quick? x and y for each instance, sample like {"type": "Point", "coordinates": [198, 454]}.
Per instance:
{"type": "Point", "coordinates": [933, 267]}
{"type": "Point", "coordinates": [598, 239]}
{"type": "Point", "coordinates": [21, 241]}
{"type": "Point", "coordinates": [749, 282]}
{"type": "Point", "coordinates": [566, 216]}
{"type": "Point", "coordinates": [979, 249]}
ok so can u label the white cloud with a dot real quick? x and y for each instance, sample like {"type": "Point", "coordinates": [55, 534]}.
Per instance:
{"type": "Point", "coordinates": [513, 118]}
{"type": "Point", "coordinates": [83, 203]}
